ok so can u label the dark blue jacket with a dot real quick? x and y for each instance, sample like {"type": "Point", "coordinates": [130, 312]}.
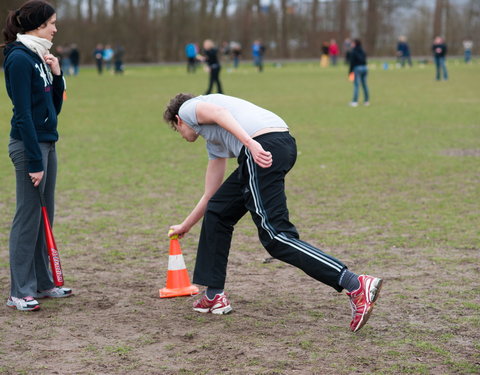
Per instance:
{"type": "Point", "coordinates": [37, 99]}
{"type": "Point", "coordinates": [358, 57]}
{"type": "Point", "coordinates": [439, 50]}
{"type": "Point", "coordinates": [403, 49]}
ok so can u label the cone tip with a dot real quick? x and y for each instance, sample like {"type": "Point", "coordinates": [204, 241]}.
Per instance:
{"type": "Point", "coordinates": [174, 237]}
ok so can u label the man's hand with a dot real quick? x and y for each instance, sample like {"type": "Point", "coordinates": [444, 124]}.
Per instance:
{"type": "Point", "coordinates": [260, 156]}
{"type": "Point", "coordinates": [180, 230]}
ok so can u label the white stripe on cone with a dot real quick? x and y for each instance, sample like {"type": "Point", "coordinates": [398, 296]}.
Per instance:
{"type": "Point", "coordinates": [176, 263]}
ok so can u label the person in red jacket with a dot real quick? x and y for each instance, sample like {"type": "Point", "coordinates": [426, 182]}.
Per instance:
{"type": "Point", "coordinates": [333, 52]}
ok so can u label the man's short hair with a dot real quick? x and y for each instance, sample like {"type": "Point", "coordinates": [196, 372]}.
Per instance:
{"type": "Point", "coordinates": [173, 107]}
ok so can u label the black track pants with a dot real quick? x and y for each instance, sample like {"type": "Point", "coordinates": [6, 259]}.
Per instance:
{"type": "Point", "coordinates": [261, 191]}
{"type": "Point", "coordinates": [214, 79]}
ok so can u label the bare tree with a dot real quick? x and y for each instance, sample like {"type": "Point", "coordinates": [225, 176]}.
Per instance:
{"type": "Point", "coordinates": [284, 29]}
{"type": "Point", "coordinates": [372, 26]}
{"type": "Point", "coordinates": [144, 30]}
{"type": "Point", "coordinates": [202, 24]}
{"type": "Point", "coordinates": [247, 20]}
{"type": "Point", "coordinates": [224, 20]}
{"type": "Point", "coordinates": [5, 8]}
{"type": "Point", "coordinates": [115, 11]}
{"type": "Point", "coordinates": [90, 11]}
{"type": "Point", "coordinates": [313, 37]}
{"type": "Point", "coordinates": [342, 20]}
{"type": "Point", "coordinates": [438, 17]}
{"type": "Point", "coordinates": [79, 10]}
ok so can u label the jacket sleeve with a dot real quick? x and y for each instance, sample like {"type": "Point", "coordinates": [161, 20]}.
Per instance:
{"type": "Point", "coordinates": [20, 76]}
{"type": "Point", "coordinates": [58, 89]}
{"type": "Point", "coordinates": [352, 61]}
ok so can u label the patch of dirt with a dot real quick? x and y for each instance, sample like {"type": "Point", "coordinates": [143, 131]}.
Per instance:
{"type": "Point", "coordinates": [461, 152]}
{"type": "Point", "coordinates": [283, 322]}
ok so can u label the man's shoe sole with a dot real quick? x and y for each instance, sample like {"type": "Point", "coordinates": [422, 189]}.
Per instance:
{"type": "Point", "coordinates": [220, 311]}
{"type": "Point", "coordinates": [203, 311]}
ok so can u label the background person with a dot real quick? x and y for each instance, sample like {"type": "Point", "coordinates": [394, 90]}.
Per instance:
{"type": "Point", "coordinates": [467, 50]}
{"type": "Point", "coordinates": [225, 53]}
{"type": "Point", "coordinates": [65, 62]}
{"type": "Point", "coordinates": [358, 65]}
{"type": "Point", "coordinates": [35, 86]}
{"type": "Point", "coordinates": [324, 58]}
{"type": "Point", "coordinates": [75, 59]}
{"type": "Point", "coordinates": [210, 57]}
{"type": "Point", "coordinates": [403, 52]}
{"type": "Point", "coordinates": [347, 47]}
{"type": "Point", "coordinates": [333, 51]}
{"type": "Point", "coordinates": [258, 50]}
{"type": "Point", "coordinates": [108, 56]}
{"type": "Point", "coordinates": [265, 150]}
{"type": "Point", "coordinates": [439, 49]}
{"type": "Point", "coordinates": [98, 56]}
{"type": "Point", "coordinates": [191, 52]}
{"type": "Point", "coordinates": [119, 53]}
{"type": "Point", "coordinates": [236, 53]}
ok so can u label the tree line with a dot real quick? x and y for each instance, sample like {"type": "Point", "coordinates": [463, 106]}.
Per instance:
{"type": "Point", "coordinates": [157, 30]}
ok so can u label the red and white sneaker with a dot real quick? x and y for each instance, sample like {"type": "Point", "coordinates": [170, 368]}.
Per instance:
{"type": "Point", "coordinates": [219, 305]}
{"type": "Point", "coordinates": [363, 299]}
{"type": "Point", "coordinates": [23, 304]}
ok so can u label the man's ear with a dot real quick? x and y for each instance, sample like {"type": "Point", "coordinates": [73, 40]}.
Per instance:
{"type": "Point", "coordinates": [179, 120]}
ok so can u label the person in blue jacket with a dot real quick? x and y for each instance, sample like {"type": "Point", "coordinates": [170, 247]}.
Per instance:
{"type": "Point", "coordinates": [35, 86]}
{"type": "Point", "coordinates": [358, 66]}
{"type": "Point", "coordinates": [191, 53]}
{"type": "Point", "coordinates": [258, 50]}
{"type": "Point", "coordinates": [403, 52]}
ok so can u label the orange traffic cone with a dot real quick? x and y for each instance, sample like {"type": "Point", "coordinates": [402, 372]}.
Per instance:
{"type": "Point", "coordinates": [178, 282]}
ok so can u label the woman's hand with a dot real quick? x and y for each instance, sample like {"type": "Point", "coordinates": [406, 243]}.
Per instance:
{"type": "Point", "coordinates": [53, 63]}
{"type": "Point", "coordinates": [36, 178]}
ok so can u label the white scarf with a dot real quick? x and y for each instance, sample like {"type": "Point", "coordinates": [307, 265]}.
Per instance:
{"type": "Point", "coordinates": [38, 45]}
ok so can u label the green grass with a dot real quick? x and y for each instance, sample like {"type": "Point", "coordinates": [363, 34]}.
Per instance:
{"type": "Point", "coordinates": [392, 188]}
{"type": "Point", "coordinates": [384, 170]}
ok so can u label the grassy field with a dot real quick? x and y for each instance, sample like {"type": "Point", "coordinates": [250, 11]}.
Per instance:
{"type": "Point", "coordinates": [392, 189]}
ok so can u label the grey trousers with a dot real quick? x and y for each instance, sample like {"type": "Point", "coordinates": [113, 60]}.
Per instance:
{"type": "Point", "coordinates": [29, 264]}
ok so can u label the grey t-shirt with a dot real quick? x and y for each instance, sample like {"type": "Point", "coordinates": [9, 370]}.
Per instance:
{"type": "Point", "coordinates": [220, 142]}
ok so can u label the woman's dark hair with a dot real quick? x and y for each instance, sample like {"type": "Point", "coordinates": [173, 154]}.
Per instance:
{"type": "Point", "coordinates": [28, 17]}
{"type": "Point", "coordinates": [173, 107]}
{"type": "Point", "coordinates": [358, 42]}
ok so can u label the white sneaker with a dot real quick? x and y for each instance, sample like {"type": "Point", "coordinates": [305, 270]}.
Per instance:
{"type": "Point", "coordinates": [55, 292]}
{"type": "Point", "coordinates": [23, 304]}
{"type": "Point", "coordinates": [353, 104]}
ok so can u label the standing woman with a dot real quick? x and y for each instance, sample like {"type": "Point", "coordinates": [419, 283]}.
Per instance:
{"type": "Point", "coordinates": [358, 65]}
{"type": "Point", "coordinates": [211, 59]}
{"type": "Point", "coordinates": [35, 86]}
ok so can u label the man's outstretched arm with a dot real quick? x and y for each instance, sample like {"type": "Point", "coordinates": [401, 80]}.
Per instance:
{"type": "Point", "coordinates": [213, 179]}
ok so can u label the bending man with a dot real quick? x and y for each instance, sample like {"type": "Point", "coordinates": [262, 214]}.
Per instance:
{"type": "Point", "coordinates": [266, 151]}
